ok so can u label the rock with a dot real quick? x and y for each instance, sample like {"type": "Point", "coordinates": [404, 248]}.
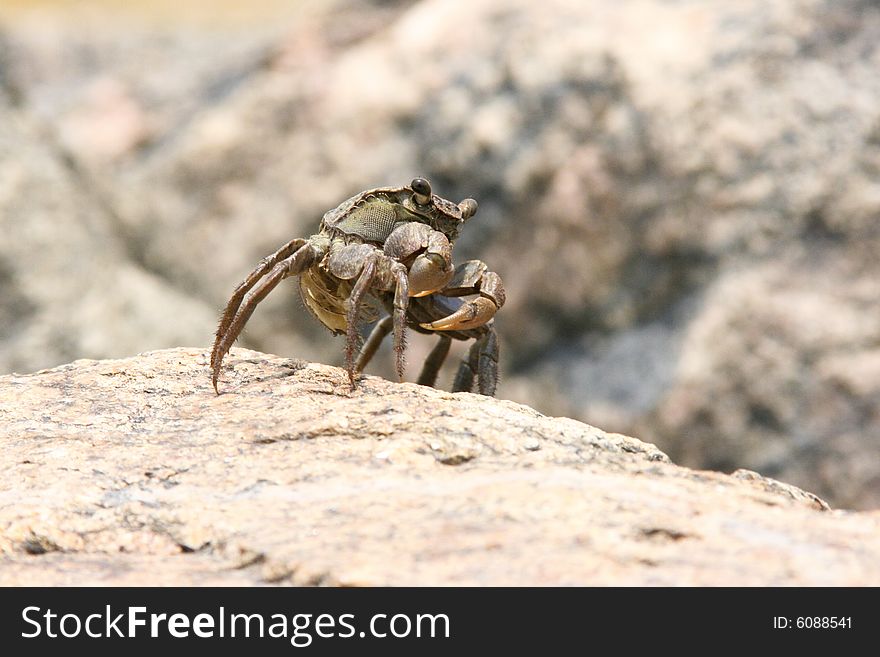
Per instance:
{"type": "Point", "coordinates": [681, 197]}
{"type": "Point", "coordinates": [67, 284]}
{"type": "Point", "coordinates": [133, 472]}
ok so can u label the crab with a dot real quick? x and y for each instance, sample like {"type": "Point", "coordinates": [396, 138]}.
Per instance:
{"type": "Point", "coordinates": [388, 248]}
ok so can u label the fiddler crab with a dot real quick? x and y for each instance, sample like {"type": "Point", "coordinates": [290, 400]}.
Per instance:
{"type": "Point", "coordinates": [388, 248]}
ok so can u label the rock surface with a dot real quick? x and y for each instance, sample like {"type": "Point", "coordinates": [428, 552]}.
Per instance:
{"type": "Point", "coordinates": [680, 196]}
{"type": "Point", "coordinates": [133, 472]}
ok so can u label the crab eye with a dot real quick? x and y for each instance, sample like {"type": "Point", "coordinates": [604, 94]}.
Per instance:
{"type": "Point", "coordinates": [468, 208]}
{"type": "Point", "coordinates": [421, 191]}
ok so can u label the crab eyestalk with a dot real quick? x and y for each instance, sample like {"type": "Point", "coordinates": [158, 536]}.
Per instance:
{"type": "Point", "coordinates": [421, 191]}
{"type": "Point", "coordinates": [468, 208]}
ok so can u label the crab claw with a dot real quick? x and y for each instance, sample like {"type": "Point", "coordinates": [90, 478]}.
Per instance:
{"type": "Point", "coordinates": [428, 273]}
{"type": "Point", "coordinates": [471, 315]}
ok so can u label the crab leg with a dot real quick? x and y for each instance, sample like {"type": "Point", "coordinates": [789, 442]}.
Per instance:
{"type": "Point", "coordinates": [487, 375]}
{"type": "Point", "coordinates": [353, 310]}
{"type": "Point", "coordinates": [379, 332]}
{"type": "Point", "coordinates": [240, 308]}
{"type": "Point", "coordinates": [482, 363]}
{"type": "Point", "coordinates": [347, 262]}
{"type": "Point", "coordinates": [235, 301]}
{"type": "Point", "coordinates": [401, 303]}
{"type": "Point", "coordinates": [467, 371]}
{"type": "Point", "coordinates": [434, 362]}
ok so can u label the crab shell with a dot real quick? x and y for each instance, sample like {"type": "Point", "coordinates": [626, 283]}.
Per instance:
{"type": "Point", "coordinates": [373, 215]}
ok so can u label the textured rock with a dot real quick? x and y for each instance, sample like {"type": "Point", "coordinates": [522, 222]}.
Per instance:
{"type": "Point", "coordinates": [680, 196]}
{"type": "Point", "coordinates": [133, 472]}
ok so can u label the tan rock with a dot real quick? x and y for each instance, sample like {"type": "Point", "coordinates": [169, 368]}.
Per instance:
{"type": "Point", "coordinates": [681, 197]}
{"type": "Point", "coordinates": [133, 472]}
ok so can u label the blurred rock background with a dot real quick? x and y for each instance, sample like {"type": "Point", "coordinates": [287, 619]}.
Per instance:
{"type": "Point", "coordinates": [682, 196]}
